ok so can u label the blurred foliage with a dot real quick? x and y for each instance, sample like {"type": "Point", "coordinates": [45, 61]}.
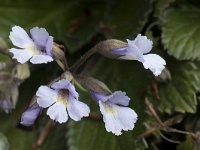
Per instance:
{"type": "Point", "coordinates": [187, 144]}
{"type": "Point", "coordinates": [4, 145]}
{"type": "Point", "coordinates": [173, 25]}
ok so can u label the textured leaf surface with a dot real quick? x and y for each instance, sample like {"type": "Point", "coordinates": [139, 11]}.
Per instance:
{"type": "Point", "coordinates": [181, 33]}
{"type": "Point", "coordinates": [179, 94]}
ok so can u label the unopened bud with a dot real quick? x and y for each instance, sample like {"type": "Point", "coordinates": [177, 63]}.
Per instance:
{"type": "Point", "coordinates": [30, 115]}
{"type": "Point", "coordinates": [6, 105]}
{"type": "Point", "coordinates": [22, 71]}
{"type": "Point", "coordinates": [112, 48]}
{"type": "Point", "coordinates": [3, 46]}
{"type": "Point", "coordinates": [58, 52]}
{"type": "Point", "coordinates": [94, 85]}
{"type": "Point", "coordinates": [67, 75]}
{"type": "Point", "coordinates": [164, 76]}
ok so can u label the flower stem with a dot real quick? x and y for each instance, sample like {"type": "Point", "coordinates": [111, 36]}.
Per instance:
{"type": "Point", "coordinates": [61, 65]}
{"type": "Point", "coordinates": [44, 135]}
{"type": "Point", "coordinates": [83, 59]}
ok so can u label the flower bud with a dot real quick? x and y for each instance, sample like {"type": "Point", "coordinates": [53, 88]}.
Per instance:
{"type": "Point", "coordinates": [94, 85]}
{"type": "Point", "coordinates": [111, 48]}
{"type": "Point", "coordinates": [22, 71]}
{"type": "Point", "coordinates": [58, 52]}
{"type": "Point", "coordinates": [165, 76]}
{"type": "Point", "coordinates": [6, 105]}
{"type": "Point", "coordinates": [3, 46]}
{"type": "Point", "coordinates": [30, 115]}
{"type": "Point", "coordinates": [67, 75]}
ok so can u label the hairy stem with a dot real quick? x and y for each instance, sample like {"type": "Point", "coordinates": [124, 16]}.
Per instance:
{"type": "Point", "coordinates": [83, 59]}
{"type": "Point", "coordinates": [44, 134]}
{"type": "Point", "coordinates": [167, 123]}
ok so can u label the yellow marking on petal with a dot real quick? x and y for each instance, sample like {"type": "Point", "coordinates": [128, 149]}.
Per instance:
{"type": "Point", "coordinates": [63, 97]}
{"type": "Point", "coordinates": [34, 50]}
{"type": "Point", "coordinates": [109, 109]}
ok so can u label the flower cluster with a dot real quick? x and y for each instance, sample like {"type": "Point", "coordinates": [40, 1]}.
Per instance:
{"type": "Point", "coordinates": [61, 98]}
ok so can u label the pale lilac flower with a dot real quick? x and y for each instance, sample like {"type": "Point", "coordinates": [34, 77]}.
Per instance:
{"type": "Point", "coordinates": [61, 96]}
{"type": "Point", "coordinates": [138, 49]}
{"type": "Point", "coordinates": [30, 115]}
{"type": "Point", "coordinates": [6, 105]}
{"type": "Point", "coordinates": [37, 49]}
{"type": "Point", "coordinates": [116, 115]}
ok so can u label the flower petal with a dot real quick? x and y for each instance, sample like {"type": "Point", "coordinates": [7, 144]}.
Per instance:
{"type": "Point", "coordinates": [65, 84]}
{"type": "Point", "coordinates": [72, 91]}
{"type": "Point", "coordinates": [39, 59]}
{"type": "Point", "coordinates": [120, 98]}
{"type": "Point", "coordinates": [143, 43]}
{"type": "Point", "coordinates": [117, 118]}
{"type": "Point", "coordinates": [49, 46]}
{"type": "Point", "coordinates": [30, 115]}
{"type": "Point", "coordinates": [133, 53]}
{"type": "Point", "coordinates": [46, 96]}
{"type": "Point", "coordinates": [22, 55]}
{"type": "Point", "coordinates": [155, 63]}
{"type": "Point", "coordinates": [120, 51]}
{"type": "Point", "coordinates": [40, 36]}
{"type": "Point", "coordinates": [58, 112]}
{"type": "Point", "coordinates": [100, 96]}
{"type": "Point", "coordinates": [20, 38]}
{"type": "Point", "coordinates": [77, 109]}
{"type": "Point", "coordinates": [61, 84]}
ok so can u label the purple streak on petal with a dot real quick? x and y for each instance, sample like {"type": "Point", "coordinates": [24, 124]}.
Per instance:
{"type": "Point", "coordinates": [119, 98]}
{"type": "Point", "coordinates": [72, 91]}
{"type": "Point", "coordinates": [61, 84]}
{"type": "Point", "coordinates": [49, 45]}
{"type": "Point", "coordinates": [134, 51]}
{"type": "Point", "coordinates": [39, 36]}
{"type": "Point", "coordinates": [6, 106]}
{"type": "Point", "coordinates": [100, 96]}
{"type": "Point", "coordinates": [120, 51]}
{"type": "Point", "coordinates": [30, 115]}
{"type": "Point", "coordinates": [65, 84]}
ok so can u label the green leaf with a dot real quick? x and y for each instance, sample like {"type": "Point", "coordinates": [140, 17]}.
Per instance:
{"type": "Point", "coordinates": [15, 135]}
{"type": "Point", "coordinates": [56, 139]}
{"type": "Point", "coordinates": [179, 94]}
{"type": "Point", "coordinates": [160, 6]}
{"type": "Point", "coordinates": [181, 33]}
{"type": "Point", "coordinates": [4, 58]}
{"type": "Point", "coordinates": [75, 22]}
{"type": "Point", "coordinates": [89, 134]}
{"type": "Point", "coordinates": [187, 144]}
{"type": "Point", "coordinates": [126, 18]}
{"type": "Point", "coordinates": [4, 145]}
